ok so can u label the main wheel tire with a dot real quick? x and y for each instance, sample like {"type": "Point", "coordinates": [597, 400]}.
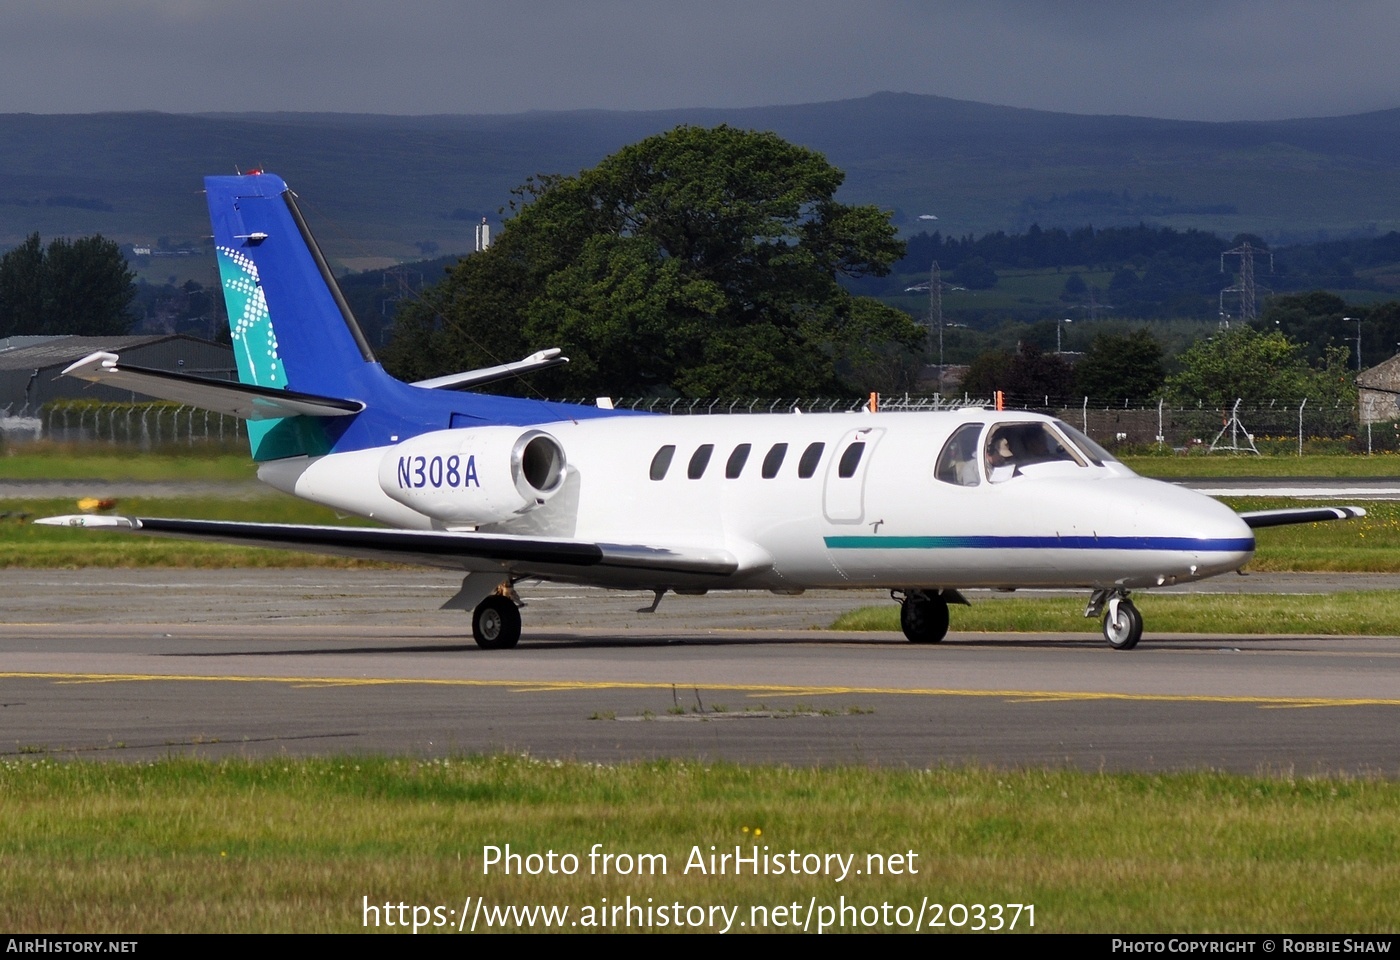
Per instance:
{"type": "Point", "coordinates": [1124, 632]}
{"type": "Point", "coordinates": [924, 619]}
{"type": "Point", "coordinates": [496, 624]}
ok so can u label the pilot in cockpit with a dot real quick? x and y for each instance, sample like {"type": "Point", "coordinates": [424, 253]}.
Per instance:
{"type": "Point", "coordinates": [1017, 448]}
{"type": "Point", "coordinates": [1001, 461]}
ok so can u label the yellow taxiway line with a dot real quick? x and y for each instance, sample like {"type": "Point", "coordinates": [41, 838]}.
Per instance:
{"type": "Point", "coordinates": [756, 690]}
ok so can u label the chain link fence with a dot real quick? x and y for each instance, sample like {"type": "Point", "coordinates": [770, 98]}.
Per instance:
{"type": "Point", "coordinates": [680, 406]}
{"type": "Point", "coordinates": [1273, 426]}
{"type": "Point", "coordinates": [1277, 426]}
{"type": "Point", "coordinates": [142, 426]}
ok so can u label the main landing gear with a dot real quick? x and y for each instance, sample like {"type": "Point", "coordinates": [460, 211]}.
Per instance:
{"type": "Point", "coordinates": [1122, 623]}
{"type": "Point", "coordinates": [496, 623]}
{"type": "Point", "coordinates": [923, 616]}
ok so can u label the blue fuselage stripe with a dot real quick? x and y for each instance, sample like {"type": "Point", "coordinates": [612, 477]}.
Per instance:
{"type": "Point", "coordinates": [1232, 545]}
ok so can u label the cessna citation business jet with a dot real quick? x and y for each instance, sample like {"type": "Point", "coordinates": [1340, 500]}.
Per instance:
{"type": "Point", "coordinates": [507, 490]}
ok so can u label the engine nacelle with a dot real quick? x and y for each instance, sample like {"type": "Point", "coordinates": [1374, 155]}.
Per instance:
{"type": "Point", "coordinates": [474, 476]}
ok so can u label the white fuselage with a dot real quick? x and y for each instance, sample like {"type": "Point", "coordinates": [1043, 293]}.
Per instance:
{"type": "Point", "coordinates": [890, 521]}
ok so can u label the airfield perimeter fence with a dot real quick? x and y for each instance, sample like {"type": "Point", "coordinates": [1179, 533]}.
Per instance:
{"type": "Point", "coordinates": [1275, 425]}
{"type": "Point", "coordinates": [143, 426]}
{"type": "Point", "coordinates": [1279, 426]}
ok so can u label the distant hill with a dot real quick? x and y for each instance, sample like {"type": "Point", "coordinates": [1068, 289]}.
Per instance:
{"type": "Point", "coordinates": [380, 187]}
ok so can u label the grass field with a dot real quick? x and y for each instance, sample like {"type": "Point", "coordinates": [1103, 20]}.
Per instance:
{"type": "Point", "coordinates": [1368, 544]}
{"type": "Point", "coordinates": [102, 462]}
{"type": "Point", "coordinates": [281, 845]}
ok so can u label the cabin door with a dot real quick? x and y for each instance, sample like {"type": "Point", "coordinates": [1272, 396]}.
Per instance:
{"type": "Point", "coordinates": [843, 500]}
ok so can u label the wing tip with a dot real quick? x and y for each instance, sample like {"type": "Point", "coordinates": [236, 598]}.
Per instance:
{"type": "Point", "coordinates": [1293, 515]}
{"type": "Point", "coordinates": [93, 363]}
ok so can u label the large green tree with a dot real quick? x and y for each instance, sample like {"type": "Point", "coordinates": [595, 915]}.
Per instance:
{"type": "Point", "coordinates": [699, 261]}
{"type": "Point", "coordinates": [79, 286]}
{"type": "Point", "coordinates": [1242, 363]}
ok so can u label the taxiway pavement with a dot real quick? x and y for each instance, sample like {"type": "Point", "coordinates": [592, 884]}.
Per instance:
{"type": "Point", "coordinates": [135, 664]}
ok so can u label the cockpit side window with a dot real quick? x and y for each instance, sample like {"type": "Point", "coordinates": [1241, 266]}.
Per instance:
{"type": "Point", "coordinates": [958, 461]}
{"type": "Point", "coordinates": [1012, 447]}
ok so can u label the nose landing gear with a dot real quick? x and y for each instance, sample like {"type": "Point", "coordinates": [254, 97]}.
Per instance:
{"type": "Point", "coordinates": [1122, 623]}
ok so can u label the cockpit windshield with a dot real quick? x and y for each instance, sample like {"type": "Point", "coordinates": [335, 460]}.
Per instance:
{"type": "Point", "coordinates": [1013, 448]}
{"type": "Point", "coordinates": [1092, 450]}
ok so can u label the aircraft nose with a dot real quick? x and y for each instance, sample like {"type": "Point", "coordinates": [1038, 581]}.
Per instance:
{"type": "Point", "coordinates": [1188, 535]}
{"type": "Point", "coordinates": [1229, 529]}
{"type": "Point", "coordinates": [1219, 540]}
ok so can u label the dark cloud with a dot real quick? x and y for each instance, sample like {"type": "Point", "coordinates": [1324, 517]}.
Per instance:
{"type": "Point", "coordinates": [1203, 59]}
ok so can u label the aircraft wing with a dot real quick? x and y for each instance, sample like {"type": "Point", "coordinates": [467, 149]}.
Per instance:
{"type": "Point", "coordinates": [1280, 518]}
{"type": "Point", "coordinates": [221, 396]}
{"type": "Point", "coordinates": [569, 559]}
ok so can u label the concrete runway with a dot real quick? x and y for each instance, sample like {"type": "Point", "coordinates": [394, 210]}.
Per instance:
{"type": "Point", "coordinates": [135, 664]}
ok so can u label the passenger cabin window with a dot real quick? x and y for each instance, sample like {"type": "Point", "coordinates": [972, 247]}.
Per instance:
{"type": "Point", "coordinates": [810, 458]}
{"type": "Point", "coordinates": [699, 460]}
{"type": "Point", "coordinates": [737, 459]}
{"type": "Point", "coordinates": [1013, 448]}
{"type": "Point", "coordinates": [774, 460]}
{"type": "Point", "coordinates": [957, 463]}
{"type": "Point", "coordinates": [662, 461]}
{"type": "Point", "coordinates": [850, 460]}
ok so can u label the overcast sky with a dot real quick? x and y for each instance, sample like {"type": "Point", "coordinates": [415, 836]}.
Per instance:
{"type": "Point", "coordinates": [1186, 59]}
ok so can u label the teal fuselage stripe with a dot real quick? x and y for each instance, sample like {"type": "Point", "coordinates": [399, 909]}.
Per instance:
{"type": "Point", "coordinates": [1230, 545]}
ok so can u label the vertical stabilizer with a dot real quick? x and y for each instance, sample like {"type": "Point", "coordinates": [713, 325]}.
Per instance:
{"type": "Point", "coordinates": [292, 330]}
{"type": "Point", "coordinates": [312, 344]}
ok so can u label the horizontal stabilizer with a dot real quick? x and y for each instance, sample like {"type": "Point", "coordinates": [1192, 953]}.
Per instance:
{"type": "Point", "coordinates": [1281, 518]}
{"type": "Point", "coordinates": [221, 396]}
{"type": "Point", "coordinates": [455, 550]}
{"type": "Point", "coordinates": [542, 360]}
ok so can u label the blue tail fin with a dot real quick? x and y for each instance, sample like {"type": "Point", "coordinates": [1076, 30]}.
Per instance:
{"type": "Point", "coordinates": [292, 330]}
{"type": "Point", "coordinates": [267, 256]}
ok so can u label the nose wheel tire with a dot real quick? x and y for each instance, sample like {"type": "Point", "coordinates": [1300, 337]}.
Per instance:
{"type": "Point", "coordinates": [924, 619]}
{"type": "Point", "coordinates": [496, 624]}
{"type": "Point", "coordinates": [1122, 625]}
